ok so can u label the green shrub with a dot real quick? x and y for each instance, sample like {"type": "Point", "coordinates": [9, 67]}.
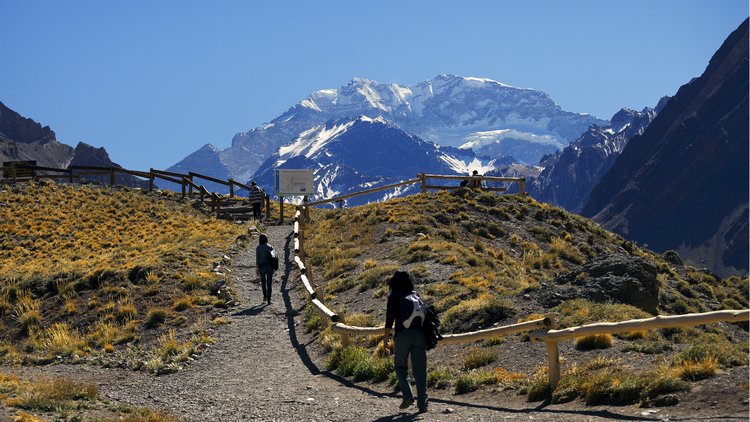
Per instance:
{"type": "Point", "coordinates": [476, 358]}
{"type": "Point", "coordinates": [155, 317]}
{"type": "Point", "coordinates": [471, 381]}
{"type": "Point", "coordinates": [439, 378]}
{"type": "Point", "coordinates": [593, 342]}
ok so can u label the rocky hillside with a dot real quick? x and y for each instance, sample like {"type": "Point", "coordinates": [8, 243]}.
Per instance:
{"type": "Point", "coordinates": [683, 183]}
{"type": "Point", "coordinates": [484, 259]}
{"type": "Point", "coordinates": [23, 139]}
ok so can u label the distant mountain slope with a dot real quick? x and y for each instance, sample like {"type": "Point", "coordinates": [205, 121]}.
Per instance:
{"type": "Point", "coordinates": [683, 184]}
{"type": "Point", "coordinates": [448, 110]}
{"type": "Point", "coordinates": [206, 160]}
{"type": "Point", "coordinates": [354, 154]}
{"type": "Point", "coordinates": [23, 139]}
{"type": "Point", "coordinates": [570, 174]}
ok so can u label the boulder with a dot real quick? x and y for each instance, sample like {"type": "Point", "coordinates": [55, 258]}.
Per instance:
{"type": "Point", "coordinates": [617, 277]}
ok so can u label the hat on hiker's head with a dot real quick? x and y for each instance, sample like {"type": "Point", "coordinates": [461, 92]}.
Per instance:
{"type": "Point", "coordinates": [401, 282]}
{"type": "Point", "coordinates": [263, 239]}
{"type": "Point", "coordinates": [252, 183]}
{"type": "Point", "coordinates": [475, 173]}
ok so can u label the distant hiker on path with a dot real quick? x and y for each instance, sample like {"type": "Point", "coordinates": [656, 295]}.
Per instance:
{"type": "Point", "coordinates": [256, 199]}
{"type": "Point", "coordinates": [407, 311]}
{"type": "Point", "coordinates": [265, 264]}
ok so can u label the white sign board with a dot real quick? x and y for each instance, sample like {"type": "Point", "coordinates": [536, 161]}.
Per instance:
{"type": "Point", "coordinates": [290, 182]}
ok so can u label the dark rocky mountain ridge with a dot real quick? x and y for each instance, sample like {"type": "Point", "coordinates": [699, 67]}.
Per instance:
{"type": "Point", "coordinates": [23, 139]}
{"type": "Point", "coordinates": [683, 183]}
{"type": "Point", "coordinates": [570, 174]}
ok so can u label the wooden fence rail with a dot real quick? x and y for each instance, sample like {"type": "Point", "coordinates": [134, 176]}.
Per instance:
{"type": "Point", "coordinates": [553, 337]}
{"type": "Point", "coordinates": [363, 192]}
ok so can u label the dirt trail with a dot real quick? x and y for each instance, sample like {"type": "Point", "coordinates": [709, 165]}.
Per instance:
{"type": "Point", "coordinates": [260, 369]}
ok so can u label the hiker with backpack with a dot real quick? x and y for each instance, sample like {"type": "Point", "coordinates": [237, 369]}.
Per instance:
{"type": "Point", "coordinates": [256, 199]}
{"type": "Point", "coordinates": [406, 310]}
{"type": "Point", "coordinates": [266, 262]}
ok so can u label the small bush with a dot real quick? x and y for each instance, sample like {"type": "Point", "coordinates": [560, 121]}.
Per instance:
{"type": "Point", "coordinates": [182, 304]}
{"type": "Point", "coordinates": [156, 317]}
{"type": "Point", "coordinates": [693, 371]}
{"type": "Point", "coordinates": [471, 381]}
{"type": "Point", "coordinates": [439, 378]}
{"type": "Point", "coordinates": [593, 342]}
{"type": "Point", "coordinates": [476, 358]}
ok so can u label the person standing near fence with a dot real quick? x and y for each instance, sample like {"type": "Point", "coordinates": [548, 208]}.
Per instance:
{"type": "Point", "coordinates": [476, 183]}
{"type": "Point", "coordinates": [256, 199]}
{"type": "Point", "coordinates": [406, 311]}
{"type": "Point", "coordinates": [264, 256]}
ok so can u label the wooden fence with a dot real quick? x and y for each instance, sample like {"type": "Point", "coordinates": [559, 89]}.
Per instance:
{"type": "Point", "coordinates": [218, 204]}
{"type": "Point", "coordinates": [541, 329]}
{"type": "Point", "coordinates": [422, 179]}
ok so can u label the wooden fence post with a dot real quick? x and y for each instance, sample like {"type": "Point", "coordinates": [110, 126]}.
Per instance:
{"type": "Point", "coordinates": [183, 187]}
{"type": "Point", "coordinates": [151, 181]}
{"type": "Point", "coordinates": [341, 204]}
{"type": "Point", "coordinates": [112, 175]}
{"type": "Point", "coordinates": [281, 210]}
{"type": "Point", "coordinates": [344, 336]}
{"type": "Point", "coordinates": [423, 179]}
{"type": "Point", "coordinates": [231, 188]}
{"type": "Point", "coordinates": [13, 171]}
{"type": "Point", "coordinates": [268, 206]}
{"type": "Point", "coordinates": [190, 188]}
{"type": "Point", "coordinates": [70, 175]}
{"type": "Point", "coordinates": [553, 360]}
{"type": "Point", "coordinates": [522, 187]}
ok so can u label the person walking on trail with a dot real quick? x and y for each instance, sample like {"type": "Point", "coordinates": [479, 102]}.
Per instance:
{"type": "Point", "coordinates": [264, 259]}
{"type": "Point", "coordinates": [256, 199]}
{"type": "Point", "coordinates": [407, 311]}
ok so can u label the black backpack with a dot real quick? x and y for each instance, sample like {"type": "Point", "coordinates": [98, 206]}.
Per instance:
{"type": "Point", "coordinates": [273, 259]}
{"type": "Point", "coordinates": [431, 328]}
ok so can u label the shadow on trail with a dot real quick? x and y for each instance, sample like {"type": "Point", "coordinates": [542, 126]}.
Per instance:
{"type": "Point", "coordinates": [252, 311]}
{"type": "Point", "coordinates": [304, 356]}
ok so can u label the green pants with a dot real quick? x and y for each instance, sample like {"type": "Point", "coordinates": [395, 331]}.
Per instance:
{"type": "Point", "coordinates": [411, 342]}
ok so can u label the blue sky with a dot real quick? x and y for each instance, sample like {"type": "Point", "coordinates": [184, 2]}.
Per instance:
{"type": "Point", "coordinates": [152, 81]}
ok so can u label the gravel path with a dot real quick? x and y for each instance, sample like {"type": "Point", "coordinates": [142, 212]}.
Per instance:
{"type": "Point", "coordinates": [261, 369]}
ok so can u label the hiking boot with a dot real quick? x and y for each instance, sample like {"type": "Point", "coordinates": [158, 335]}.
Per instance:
{"type": "Point", "coordinates": [423, 409]}
{"type": "Point", "coordinates": [406, 403]}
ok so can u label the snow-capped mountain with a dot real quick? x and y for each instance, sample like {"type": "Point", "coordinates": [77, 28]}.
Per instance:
{"type": "Point", "coordinates": [525, 147]}
{"type": "Point", "coordinates": [570, 175]}
{"type": "Point", "coordinates": [447, 110]}
{"type": "Point", "coordinates": [349, 155]}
